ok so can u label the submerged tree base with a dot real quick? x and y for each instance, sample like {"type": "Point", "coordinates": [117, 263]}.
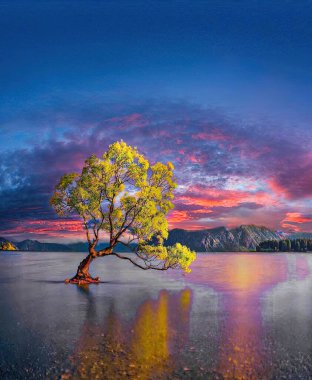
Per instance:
{"type": "Point", "coordinates": [83, 277]}
{"type": "Point", "coordinates": [79, 280]}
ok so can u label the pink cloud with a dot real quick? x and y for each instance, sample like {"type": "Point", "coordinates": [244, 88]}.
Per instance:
{"type": "Point", "coordinates": [215, 135]}
{"type": "Point", "coordinates": [297, 217]}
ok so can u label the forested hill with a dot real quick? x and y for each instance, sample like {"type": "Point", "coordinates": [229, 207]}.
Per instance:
{"type": "Point", "coordinates": [243, 238]}
{"type": "Point", "coordinates": [286, 245]}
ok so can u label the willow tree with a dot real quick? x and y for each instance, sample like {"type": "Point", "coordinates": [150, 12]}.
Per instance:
{"type": "Point", "coordinates": [123, 200]}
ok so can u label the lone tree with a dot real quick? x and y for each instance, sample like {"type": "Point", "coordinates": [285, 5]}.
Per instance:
{"type": "Point", "coordinates": [121, 196]}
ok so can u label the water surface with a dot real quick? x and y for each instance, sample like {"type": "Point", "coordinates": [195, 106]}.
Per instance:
{"type": "Point", "coordinates": [240, 315]}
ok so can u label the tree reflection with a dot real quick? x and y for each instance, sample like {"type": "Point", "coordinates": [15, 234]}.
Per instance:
{"type": "Point", "coordinates": [139, 349]}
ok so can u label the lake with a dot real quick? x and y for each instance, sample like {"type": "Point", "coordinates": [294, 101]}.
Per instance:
{"type": "Point", "coordinates": [236, 316]}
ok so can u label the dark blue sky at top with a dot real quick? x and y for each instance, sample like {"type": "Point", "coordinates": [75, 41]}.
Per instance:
{"type": "Point", "coordinates": [248, 55]}
{"type": "Point", "coordinates": [65, 66]}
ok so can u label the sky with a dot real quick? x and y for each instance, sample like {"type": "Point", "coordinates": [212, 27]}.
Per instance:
{"type": "Point", "coordinates": [222, 89]}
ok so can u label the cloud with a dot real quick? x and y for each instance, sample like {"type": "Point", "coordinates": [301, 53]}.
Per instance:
{"type": "Point", "coordinates": [228, 171]}
{"type": "Point", "coordinates": [296, 221]}
{"type": "Point", "coordinates": [45, 229]}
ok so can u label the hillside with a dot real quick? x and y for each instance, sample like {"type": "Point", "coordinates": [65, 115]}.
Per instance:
{"type": "Point", "coordinates": [243, 238]}
{"type": "Point", "coordinates": [35, 245]}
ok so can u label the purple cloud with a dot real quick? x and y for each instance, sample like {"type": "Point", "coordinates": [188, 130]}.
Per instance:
{"type": "Point", "coordinates": [228, 171]}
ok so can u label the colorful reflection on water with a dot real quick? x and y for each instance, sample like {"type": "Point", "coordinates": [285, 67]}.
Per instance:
{"type": "Point", "coordinates": [148, 346]}
{"type": "Point", "coordinates": [242, 281]}
{"type": "Point", "coordinates": [141, 349]}
{"type": "Point", "coordinates": [236, 316]}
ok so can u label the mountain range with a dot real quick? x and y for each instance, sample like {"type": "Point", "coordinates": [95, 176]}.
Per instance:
{"type": "Point", "coordinates": [35, 245]}
{"type": "Point", "coordinates": [221, 239]}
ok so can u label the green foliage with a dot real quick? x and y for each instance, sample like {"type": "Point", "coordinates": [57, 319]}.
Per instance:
{"type": "Point", "coordinates": [177, 256]}
{"type": "Point", "coordinates": [123, 195]}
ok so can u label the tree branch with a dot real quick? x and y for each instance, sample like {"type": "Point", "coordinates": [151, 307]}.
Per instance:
{"type": "Point", "coordinates": [137, 264]}
{"type": "Point", "coordinates": [87, 230]}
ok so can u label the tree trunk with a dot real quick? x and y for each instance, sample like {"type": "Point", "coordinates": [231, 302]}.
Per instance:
{"type": "Point", "coordinates": [83, 276]}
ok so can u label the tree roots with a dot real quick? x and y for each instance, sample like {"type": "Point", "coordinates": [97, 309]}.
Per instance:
{"type": "Point", "coordinates": [82, 280]}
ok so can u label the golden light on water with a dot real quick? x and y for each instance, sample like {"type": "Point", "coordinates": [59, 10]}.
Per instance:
{"type": "Point", "coordinates": [155, 342]}
{"type": "Point", "coordinates": [115, 349]}
{"type": "Point", "coordinates": [149, 344]}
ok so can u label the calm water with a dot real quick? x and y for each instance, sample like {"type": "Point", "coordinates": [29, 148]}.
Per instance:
{"type": "Point", "coordinates": [244, 316]}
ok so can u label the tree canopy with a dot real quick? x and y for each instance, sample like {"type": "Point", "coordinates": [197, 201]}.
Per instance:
{"type": "Point", "coordinates": [121, 197]}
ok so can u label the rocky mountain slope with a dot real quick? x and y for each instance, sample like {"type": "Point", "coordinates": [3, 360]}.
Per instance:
{"type": "Point", "coordinates": [243, 238]}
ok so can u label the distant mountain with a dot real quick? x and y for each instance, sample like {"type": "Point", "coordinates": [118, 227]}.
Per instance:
{"type": "Point", "coordinates": [83, 247]}
{"type": "Point", "coordinates": [300, 235]}
{"type": "Point", "coordinates": [35, 245]}
{"type": "Point", "coordinates": [221, 239]}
